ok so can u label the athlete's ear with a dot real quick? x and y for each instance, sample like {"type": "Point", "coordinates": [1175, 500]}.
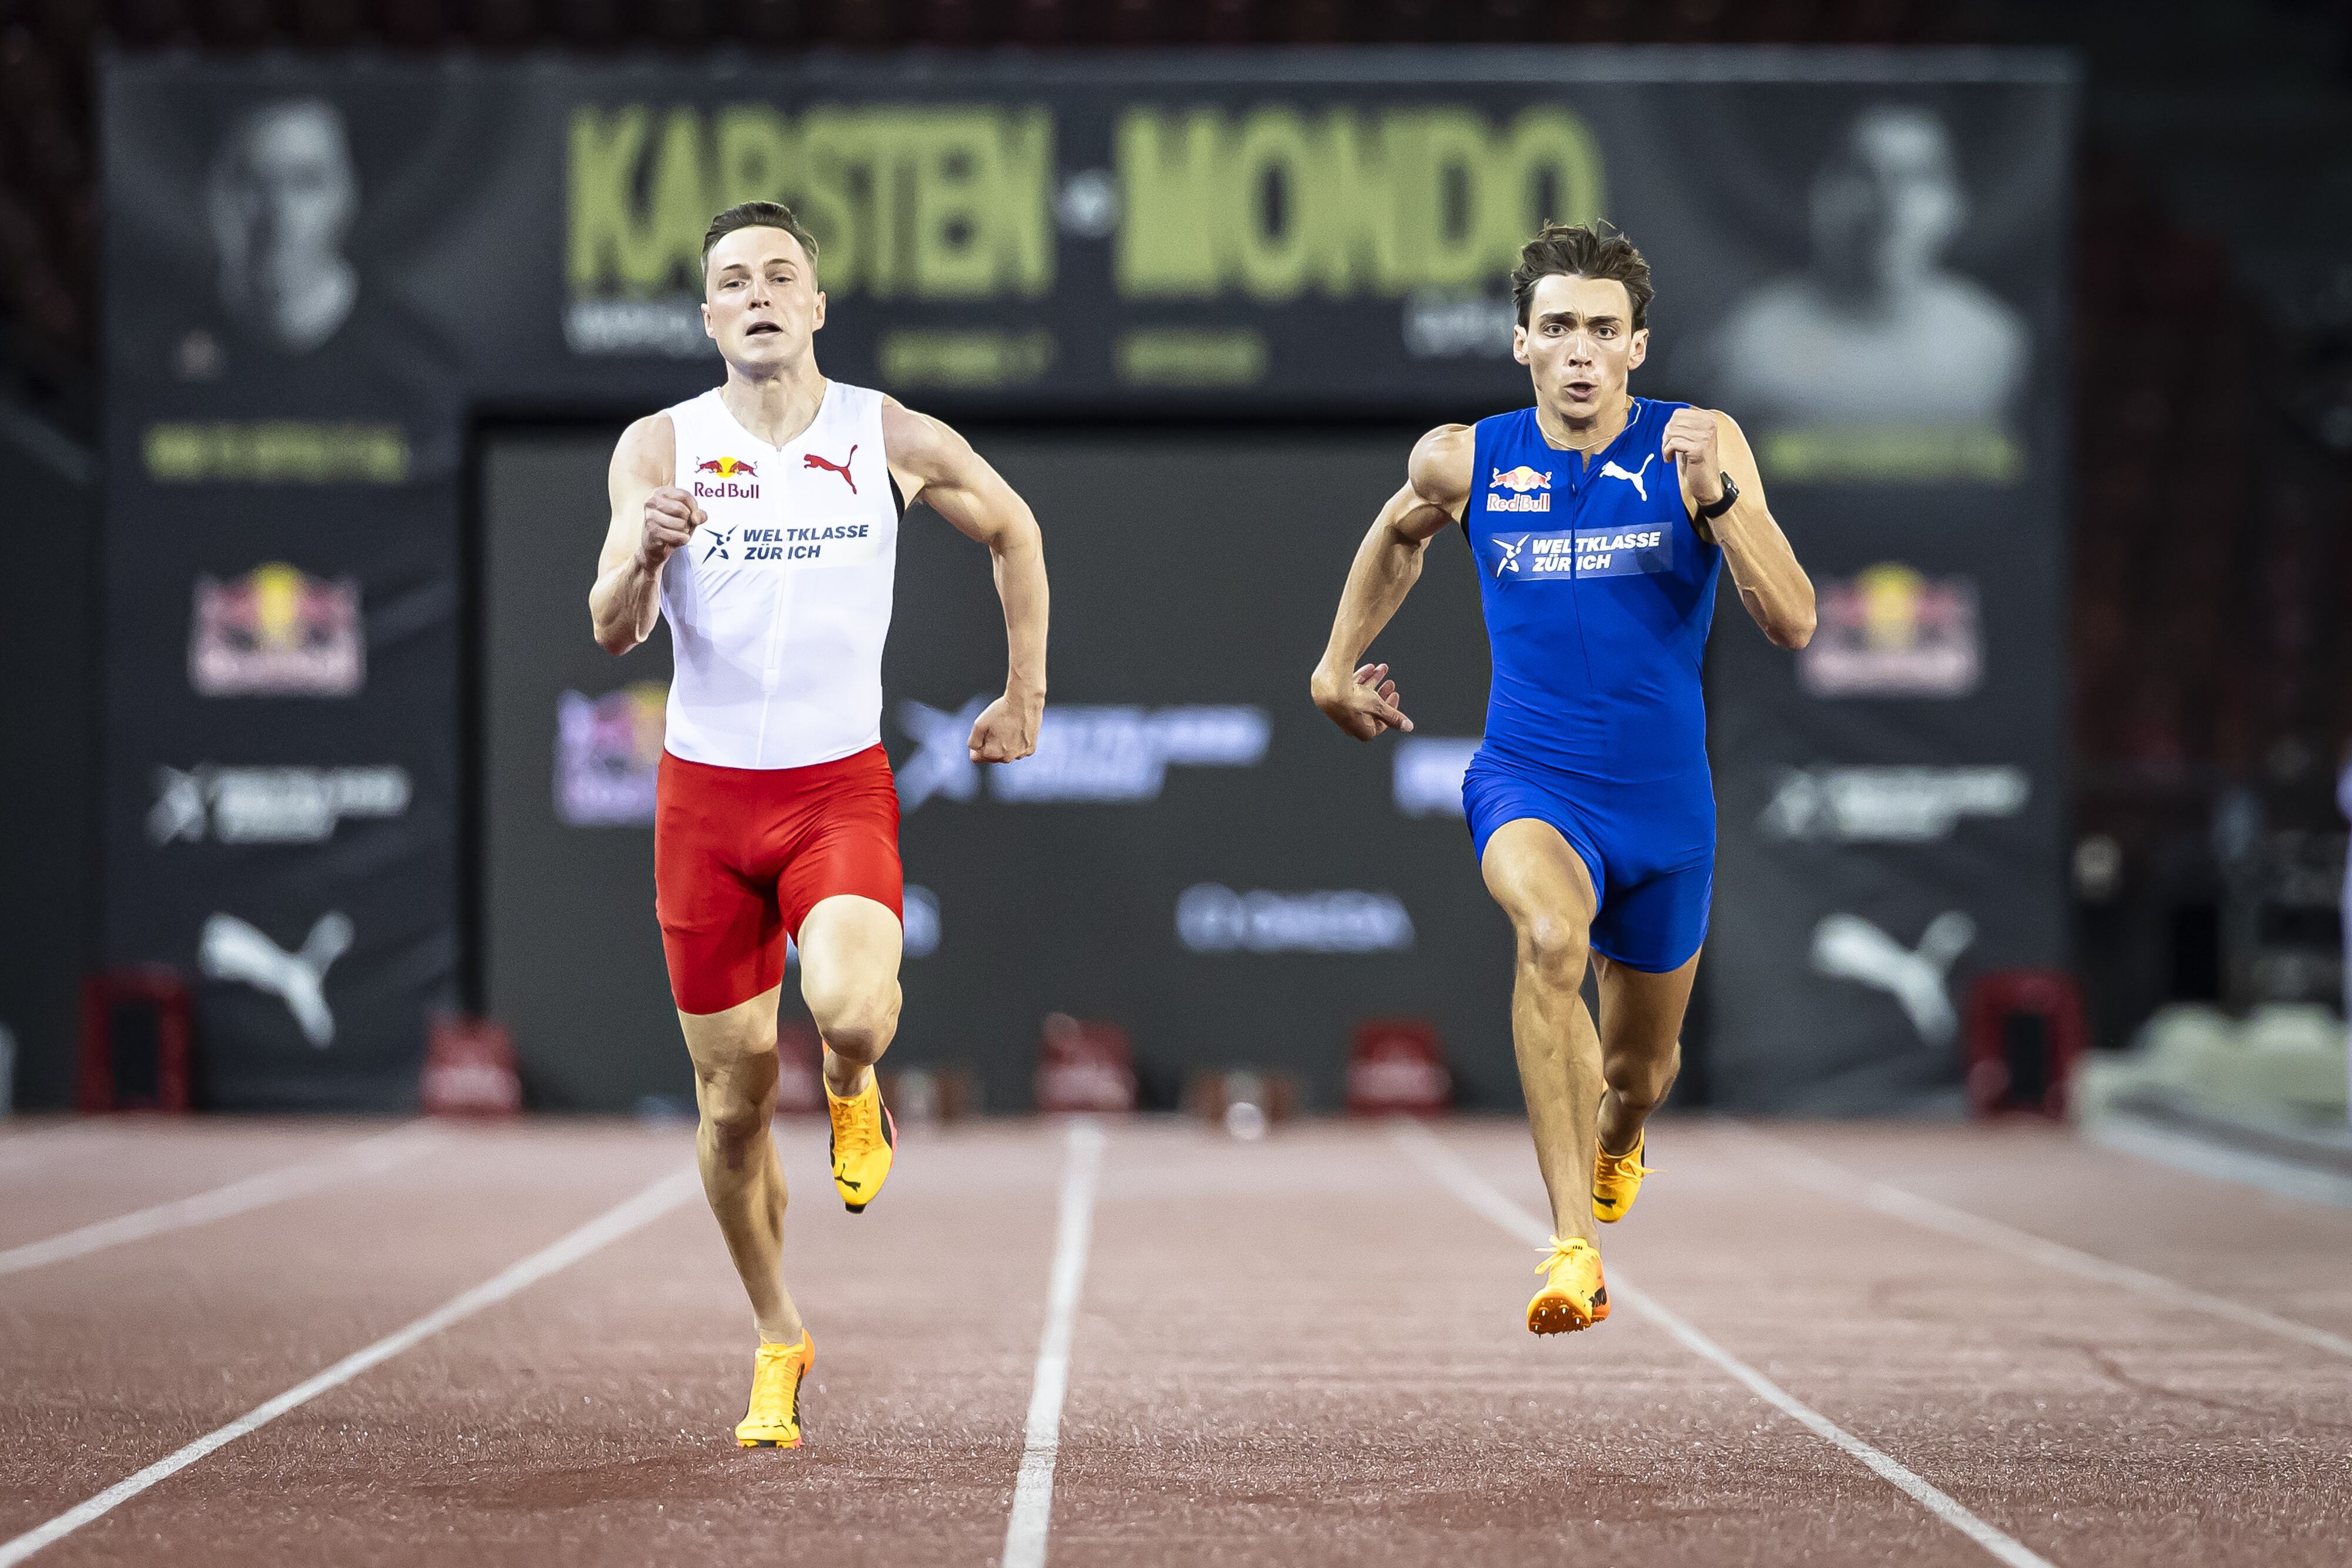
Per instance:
{"type": "Point", "coordinates": [1519, 343]}
{"type": "Point", "coordinates": [1639, 350]}
{"type": "Point", "coordinates": [818, 319]}
{"type": "Point", "coordinates": [707, 329]}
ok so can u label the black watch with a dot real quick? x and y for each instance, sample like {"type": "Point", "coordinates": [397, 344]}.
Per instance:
{"type": "Point", "coordinates": [1723, 502]}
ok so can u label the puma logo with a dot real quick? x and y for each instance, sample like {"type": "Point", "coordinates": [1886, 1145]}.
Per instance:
{"type": "Point", "coordinates": [1848, 947]}
{"type": "Point", "coordinates": [229, 949]}
{"type": "Point", "coordinates": [1610, 470]}
{"type": "Point", "coordinates": [811, 460]}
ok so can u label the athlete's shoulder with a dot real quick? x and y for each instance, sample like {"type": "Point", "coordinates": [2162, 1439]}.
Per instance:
{"type": "Point", "coordinates": [1443, 462]}
{"type": "Point", "coordinates": [909, 439]}
{"type": "Point", "coordinates": [648, 448]}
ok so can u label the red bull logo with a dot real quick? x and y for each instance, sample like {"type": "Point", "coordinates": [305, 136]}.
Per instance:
{"type": "Point", "coordinates": [733, 481]}
{"type": "Point", "coordinates": [1518, 482]}
{"type": "Point", "coordinates": [276, 632]}
{"type": "Point", "coordinates": [1893, 630]}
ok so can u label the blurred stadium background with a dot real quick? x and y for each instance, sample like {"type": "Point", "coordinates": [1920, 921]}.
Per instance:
{"type": "Point", "coordinates": [318, 319]}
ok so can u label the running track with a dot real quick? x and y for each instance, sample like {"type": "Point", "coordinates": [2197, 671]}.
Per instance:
{"type": "Point", "coordinates": [1857, 1345]}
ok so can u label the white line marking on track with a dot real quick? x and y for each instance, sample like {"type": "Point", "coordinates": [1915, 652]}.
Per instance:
{"type": "Point", "coordinates": [607, 1228]}
{"type": "Point", "coordinates": [1835, 1180]}
{"type": "Point", "coordinates": [1033, 1494]}
{"type": "Point", "coordinates": [1475, 1191]}
{"type": "Point", "coordinates": [369, 1157]}
{"type": "Point", "coordinates": [2282, 1178]}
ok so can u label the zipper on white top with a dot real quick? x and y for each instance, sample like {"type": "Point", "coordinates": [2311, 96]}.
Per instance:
{"type": "Point", "coordinates": [772, 666]}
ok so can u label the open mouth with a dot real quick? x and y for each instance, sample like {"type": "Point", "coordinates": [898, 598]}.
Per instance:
{"type": "Point", "coordinates": [1581, 390]}
{"type": "Point", "coordinates": [760, 329]}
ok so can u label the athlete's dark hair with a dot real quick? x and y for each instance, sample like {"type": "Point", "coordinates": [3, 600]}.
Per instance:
{"type": "Point", "coordinates": [757, 215]}
{"type": "Point", "coordinates": [1572, 250]}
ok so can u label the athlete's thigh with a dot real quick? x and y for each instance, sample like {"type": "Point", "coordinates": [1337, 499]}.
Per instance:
{"type": "Point", "coordinates": [1533, 872]}
{"type": "Point", "coordinates": [722, 933]}
{"type": "Point", "coordinates": [850, 947]}
{"type": "Point", "coordinates": [1641, 1011]}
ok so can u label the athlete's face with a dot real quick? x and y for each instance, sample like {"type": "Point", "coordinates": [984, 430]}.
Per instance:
{"type": "Point", "coordinates": [760, 300]}
{"type": "Point", "coordinates": [1579, 344]}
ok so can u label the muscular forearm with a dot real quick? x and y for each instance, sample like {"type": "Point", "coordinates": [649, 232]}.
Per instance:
{"type": "Point", "coordinates": [624, 605]}
{"type": "Point", "coordinates": [1387, 565]}
{"type": "Point", "coordinates": [1020, 584]}
{"type": "Point", "coordinates": [1775, 589]}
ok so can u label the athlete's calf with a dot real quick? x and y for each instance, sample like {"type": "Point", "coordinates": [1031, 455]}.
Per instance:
{"type": "Point", "coordinates": [734, 1055]}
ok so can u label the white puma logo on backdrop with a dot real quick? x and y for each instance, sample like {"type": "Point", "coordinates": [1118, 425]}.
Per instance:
{"type": "Point", "coordinates": [1848, 947]}
{"type": "Point", "coordinates": [1610, 470]}
{"type": "Point", "coordinates": [230, 949]}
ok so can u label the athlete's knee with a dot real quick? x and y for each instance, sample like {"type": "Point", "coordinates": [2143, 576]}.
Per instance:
{"type": "Point", "coordinates": [1641, 1079]}
{"type": "Point", "coordinates": [738, 1101]}
{"type": "Point", "coordinates": [856, 1021]}
{"type": "Point", "coordinates": [1554, 948]}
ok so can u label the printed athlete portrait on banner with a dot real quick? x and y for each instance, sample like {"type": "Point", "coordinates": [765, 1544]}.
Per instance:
{"type": "Point", "coordinates": [281, 199]}
{"type": "Point", "coordinates": [1881, 341]}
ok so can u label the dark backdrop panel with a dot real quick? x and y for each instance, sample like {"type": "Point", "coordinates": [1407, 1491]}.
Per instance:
{"type": "Point", "coordinates": [1890, 801]}
{"type": "Point", "coordinates": [1190, 571]}
{"type": "Point", "coordinates": [572, 958]}
{"type": "Point", "coordinates": [326, 270]}
{"type": "Point", "coordinates": [48, 710]}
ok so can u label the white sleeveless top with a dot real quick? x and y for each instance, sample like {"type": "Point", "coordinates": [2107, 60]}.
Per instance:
{"type": "Point", "coordinates": [778, 604]}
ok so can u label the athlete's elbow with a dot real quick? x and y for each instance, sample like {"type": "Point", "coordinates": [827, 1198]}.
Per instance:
{"type": "Point", "coordinates": [613, 639]}
{"type": "Point", "coordinates": [1017, 536]}
{"type": "Point", "coordinates": [1792, 630]}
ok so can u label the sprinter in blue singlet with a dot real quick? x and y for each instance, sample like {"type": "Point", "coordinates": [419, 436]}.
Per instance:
{"type": "Point", "coordinates": [1599, 523]}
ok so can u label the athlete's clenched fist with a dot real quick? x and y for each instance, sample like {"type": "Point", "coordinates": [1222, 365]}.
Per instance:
{"type": "Point", "coordinates": [1007, 731]}
{"type": "Point", "coordinates": [1689, 444]}
{"type": "Point", "coordinates": [671, 517]}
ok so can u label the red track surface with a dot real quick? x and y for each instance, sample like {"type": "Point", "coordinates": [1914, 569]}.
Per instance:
{"type": "Point", "coordinates": [1302, 1352]}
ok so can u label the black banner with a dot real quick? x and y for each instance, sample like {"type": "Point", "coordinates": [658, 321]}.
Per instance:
{"type": "Point", "coordinates": [322, 274]}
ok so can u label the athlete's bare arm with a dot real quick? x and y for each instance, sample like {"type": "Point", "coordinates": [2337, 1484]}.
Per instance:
{"type": "Point", "coordinates": [934, 465]}
{"type": "Point", "coordinates": [1364, 702]}
{"type": "Point", "coordinates": [651, 518]}
{"type": "Point", "coordinates": [1704, 445]}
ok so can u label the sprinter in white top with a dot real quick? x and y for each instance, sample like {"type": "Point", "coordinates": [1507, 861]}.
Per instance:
{"type": "Point", "coordinates": [763, 519]}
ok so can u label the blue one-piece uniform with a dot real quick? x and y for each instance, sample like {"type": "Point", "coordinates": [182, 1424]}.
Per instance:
{"type": "Point", "coordinates": [1599, 593]}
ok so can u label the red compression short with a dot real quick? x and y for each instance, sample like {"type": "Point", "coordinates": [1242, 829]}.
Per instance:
{"type": "Point", "coordinates": [742, 854]}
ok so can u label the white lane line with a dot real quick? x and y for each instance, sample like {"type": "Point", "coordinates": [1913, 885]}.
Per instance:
{"type": "Point", "coordinates": [2282, 1178]}
{"type": "Point", "coordinates": [1836, 1181]}
{"type": "Point", "coordinates": [1477, 1193]}
{"type": "Point", "coordinates": [607, 1228]}
{"type": "Point", "coordinates": [369, 1157]}
{"type": "Point", "coordinates": [1033, 1494]}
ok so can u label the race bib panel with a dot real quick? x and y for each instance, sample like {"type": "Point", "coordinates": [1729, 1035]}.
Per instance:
{"type": "Point", "coordinates": [767, 546]}
{"type": "Point", "coordinates": [1565, 557]}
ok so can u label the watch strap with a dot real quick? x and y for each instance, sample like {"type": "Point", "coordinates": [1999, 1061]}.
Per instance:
{"type": "Point", "coordinates": [1723, 503]}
